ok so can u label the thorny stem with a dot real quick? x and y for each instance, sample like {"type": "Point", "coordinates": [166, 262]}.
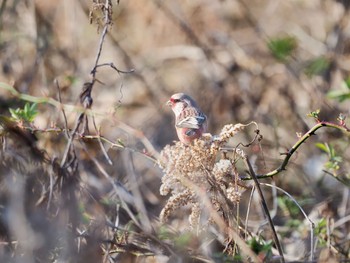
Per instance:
{"type": "Point", "coordinates": [291, 151]}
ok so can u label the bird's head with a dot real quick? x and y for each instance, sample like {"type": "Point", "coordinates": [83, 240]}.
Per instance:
{"type": "Point", "coordinates": [179, 101]}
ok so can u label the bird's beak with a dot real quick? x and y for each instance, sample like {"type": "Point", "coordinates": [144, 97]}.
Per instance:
{"type": "Point", "coordinates": [169, 103]}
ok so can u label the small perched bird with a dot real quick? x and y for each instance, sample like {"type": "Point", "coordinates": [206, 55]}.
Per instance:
{"type": "Point", "coordinates": [190, 121]}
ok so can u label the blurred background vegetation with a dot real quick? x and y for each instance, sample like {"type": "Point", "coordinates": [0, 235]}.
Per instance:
{"type": "Point", "coordinates": [272, 62]}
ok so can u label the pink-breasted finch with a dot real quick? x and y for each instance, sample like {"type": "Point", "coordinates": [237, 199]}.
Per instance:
{"type": "Point", "coordinates": [190, 121]}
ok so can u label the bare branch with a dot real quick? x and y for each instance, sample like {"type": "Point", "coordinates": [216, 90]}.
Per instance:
{"type": "Point", "coordinates": [263, 203]}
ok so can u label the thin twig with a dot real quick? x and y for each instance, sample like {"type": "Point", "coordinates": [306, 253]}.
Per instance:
{"type": "Point", "coordinates": [120, 146]}
{"type": "Point", "coordinates": [70, 141]}
{"type": "Point", "coordinates": [115, 68]}
{"type": "Point", "coordinates": [248, 212]}
{"type": "Point", "coordinates": [63, 112]}
{"type": "Point", "coordinates": [245, 249]}
{"type": "Point", "coordinates": [57, 104]}
{"type": "Point", "coordinates": [51, 173]}
{"type": "Point", "coordinates": [85, 96]}
{"type": "Point", "coordinates": [138, 199]}
{"type": "Point", "coordinates": [107, 22]}
{"type": "Point", "coordinates": [312, 225]}
{"type": "Point", "coordinates": [347, 183]}
{"type": "Point", "coordinates": [115, 188]}
{"type": "Point", "coordinates": [263, 203]}
{"type": "Point", "coordinates": [100, 143]}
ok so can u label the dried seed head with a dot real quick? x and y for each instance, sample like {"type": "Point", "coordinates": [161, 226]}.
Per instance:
{"type": "Point", "coordinates": [200, 165]}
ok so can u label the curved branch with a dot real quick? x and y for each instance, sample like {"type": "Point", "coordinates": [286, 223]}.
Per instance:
{"type": "Point", "coordinates": [292, 150]}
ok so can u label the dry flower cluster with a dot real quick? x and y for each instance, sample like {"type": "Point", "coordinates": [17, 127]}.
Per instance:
{"type": "Point", "coordinates": [201, 175]}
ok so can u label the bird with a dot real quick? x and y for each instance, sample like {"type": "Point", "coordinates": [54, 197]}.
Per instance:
{"type": "Point", "coordinates": [190, 121]}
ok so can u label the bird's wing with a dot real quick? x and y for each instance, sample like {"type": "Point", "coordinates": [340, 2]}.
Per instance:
{"type": "Point", "coordinates": [192, 122]}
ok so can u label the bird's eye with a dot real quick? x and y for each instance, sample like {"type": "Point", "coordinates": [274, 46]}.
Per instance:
{"type": "Point", "coordinates": [175, 100]}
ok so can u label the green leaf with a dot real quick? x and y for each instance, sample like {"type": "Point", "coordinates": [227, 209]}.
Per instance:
{"type": "Point", "coordinates": [341, 94]}
{"type": "Point", "coordinates": [333, 159]}
{"type": "Point", "coordinates": [347, 82]}
{"type": "Point", "coordinates": [321, 227]}
{"type": "Point", "coordinates": [314, 114]}
{"type": "Point", "coordinates": [322, 147]}
{"type": "Point", "coordinates": [282, 48]}
{"type": "Point", "coordinates": [13, 113]}
{"type": "Point", "coordinates": [164, 233]}
{"type": "Point", "coordinates": [27, 114]}
{"type": "Point", "coordinates": [183, 240]}
{"type": "Point", "coordinates": [338, 159]}
{"type": "Point", "coordinates": [258, 245]}
{"type": "Point", "coordinates": [317, 66]}
{"type": "Point", "coordinates": [294, 223]}
{"type": "Point", "coordinates": [338, 95]}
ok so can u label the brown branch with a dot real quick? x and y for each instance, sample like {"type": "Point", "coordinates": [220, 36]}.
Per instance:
{"type": "Point", "coordinates": [292, 150]}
